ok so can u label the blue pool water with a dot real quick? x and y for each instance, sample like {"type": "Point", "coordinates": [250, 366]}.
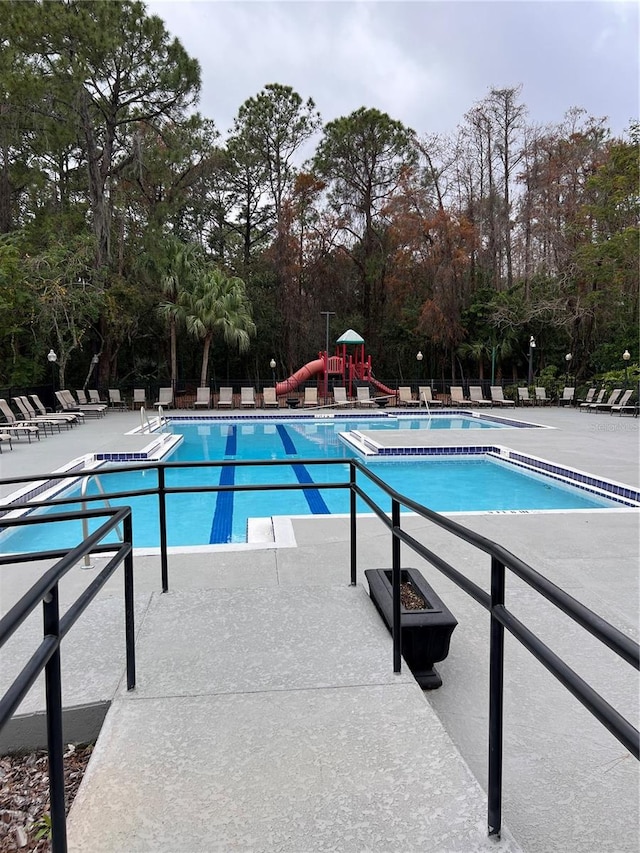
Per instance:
{"type": "Point", "coordinates": [442, 484]}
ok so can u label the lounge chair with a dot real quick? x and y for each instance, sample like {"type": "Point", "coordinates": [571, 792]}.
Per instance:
{"type": "Point", "coordinates": [15, 427]}
{"type": "Point", "coordinates": [591, 393]}
{"type": "Point", "coordinates": [622, 403]}
{"type": "Point", "coordinates": [567, 396]}
{"type": "Point", "coordinates": [139, 397]}
{"type": "Point", "coordinates": [115, 399]}
{"type": "Point", "coordinates": [456, 395]}
{"type": "Point", "coordinates": [68, 404]}
{"type": "Point", "coordinates": [84, 403]}
{"type": "Point", "coordinates": [28, 415]}
{"type": "Point", "coordinates": [498, 398]}
{"type": "Point", "coordinates": [225, 398]}
{"type": "Point", "coordinates": [476, 397]}
{"type": "Point", "coordinates": [405, 398]}
{"type": "Point", "coordinates": [541, 396]}
{"type": "Point", "coordinates": [269, 399]}
{"type": "Point", "coordinates": [203, 399]}
{"type": "Point", "coordinates": [363, 397]}
{"type": "Point", "coordinates": [426, 397]}
{"type": "Point", "coordinates": [340, 396]}
{"type": "Point", "coordinates": [94, 397]}
{"type": "Point", "coordinates": [4, 436]}
{"type": "Point", "coordinates": [613, 399]}
{"type": "Point", "coordinates": [248, 398]}
{"type": "Point", "coordinates": [590, 406]}
{"type": "Point", "coordinates": [83, 400]}
{"type": "Point", "coordinates": [165, 398]}
{"type": "Point", "coordinates": [70, 417]}
{"type": "Point", "coordinates": [310, 396]}
{"type": "Point", "coordinates": [523, 397]}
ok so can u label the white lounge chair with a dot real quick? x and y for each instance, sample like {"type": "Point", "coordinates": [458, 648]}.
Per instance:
{"type": "Point", "coordinates": [363, 397]}
{"type": "Point", "coordinates": [310, 396]}
{"type": "Point", "coordinates": [567, 396]}
{"type": "Point", "coordinates": [613, 399]}
{"type": "Point", "coordinates": [86, 405]}
{"type": "Point", "coordinates": [203, 399]}
{"type": "Point", "coordinates": [340, 396]}
{"type": "Point", "coordinates": [476, 397]}
{"type": "Point", "coordinates": [590, 406]}
{"type": "Point", "coordinates": [622, 402]}
{"type": "Point", "coordinates": [405, 398]}
{"type": "Point", "coordinates": [28, 415]}
{"type": "Point", "coordinates": [165, 398]}
{"type": "Point", "coordinates": [498, 398]}
{"type": "Point", "coordinates": [457, 397]}
{"type": "Point", "coordinates": [14, 427]}
{"type": "Point", "coordinates": [225, 398]}
{"type": "Point", "coordinates": [70, 417]}
{"type": "Point", "coordinates": [115, 399]}
{"type": "Point", "coordinates": [248, 398]}
{"type": "Point", "coordinates": [269, 399]}
{"type": "Point", "coordinates": [94, 397]}
{"type": "Point", "coordinates": [4, 436]}
{"type": "Point", "coordinates": [427, 398]}
{"type": "Point", "coordinates": [523, 397]}
{"type": "Point", "coordinates": [541, 396]}
{"type": "Point", "coordinates": [139, 397]}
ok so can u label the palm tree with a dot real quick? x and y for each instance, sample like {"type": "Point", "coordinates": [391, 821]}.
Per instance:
{"type": "Point", "coordinates": [182, 270]}
{"type": "Point", "coordinates": [219, 304]}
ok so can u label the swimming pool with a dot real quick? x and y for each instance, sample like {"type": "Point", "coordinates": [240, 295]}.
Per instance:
{"type": "Point", "coordinates": [470, 481]}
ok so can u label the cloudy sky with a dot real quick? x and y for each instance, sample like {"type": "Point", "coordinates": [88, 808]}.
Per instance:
{"type": "Point", "coordinates": [424, 62]}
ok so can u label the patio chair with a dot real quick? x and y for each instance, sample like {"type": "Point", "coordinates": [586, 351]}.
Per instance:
{"type": "Point", "coordinates": [248, 398]}
{"type": "Point", "coordinates": [4, 436]}
{"type": "Point", "coordinates": [340, 396]}
{"type": "Point", "coordinates": [405, 398]}
{"type": "Point", "coordinates": [94, 397]}
{"type": "Point", "coordinates": [115, 399]}
{"type": "Point", "coordinates": [83, 400]}
{"type": "Point", "coordinates": [363, 397]}
{"type": "Point", "coordinates": [203, 399]}
{"type": "Point", "coordinates": [310, 396]}
{"type": "Point", "coordinates": [476, 397]}
{"type": "Point", "coordinates": [83, 403]}
{"type": "Point", "coordinates": [457, 397]}
{"type": "Point", "coordinates": [165, 398]}
{"type": "Point", "coordinates": [139, 397]}
{"type": "Point", "coordinates": [613, 399]}
{"type": "Point", "coordinates": [541, 396]}
{"type": "Point", "coordinates": [15, 427]}
{"type": "Point", "coordinates": [622, 403]}
{"type": "Point", "coordinates": [591, 393]}
{"type": "Point", "coordinates": [28, 415]}
{"type": "Point", "coordinates": [269, 399]}
{"type": "Point", "coordinates": [567, 396]}
{"type": "Point", "coordinates": [225, 398]}
{"type": "Point", "coordinates": [425, 395]}
{"type": "Point", "coordinates": [523, 397]}
{"type": "Point", "coordinates": [590, 406]}
{"type": "Point", "coordinates": [39, 408]}
{"type": "Point", "coordinates": [498, 398]}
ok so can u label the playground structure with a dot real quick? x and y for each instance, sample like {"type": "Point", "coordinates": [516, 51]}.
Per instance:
{"type": "Point", "coordinates": [350, 370]}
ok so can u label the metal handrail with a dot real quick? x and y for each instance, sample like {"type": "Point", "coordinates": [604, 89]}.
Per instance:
{"type": "Point", "coordinates": [493, 601]}
{"type": "Point", "coordinates": [85, 521]}
{"type": "Point", "coordinates": [47, 656]}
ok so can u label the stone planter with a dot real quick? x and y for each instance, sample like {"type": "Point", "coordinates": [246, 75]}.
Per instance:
{"type": "Point", "coordinates": [426, 633]}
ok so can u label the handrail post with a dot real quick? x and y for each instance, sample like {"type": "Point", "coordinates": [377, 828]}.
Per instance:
{"type": "Point", "coordinates": [395, 579]}
{"type": "Point", "coordinates": [129, 615]}
{"type": "Point", "coordinates": [352, 522]}
{"type": "Point", "coordinates": [496, 679]}
{"type": "Point", "coordinates": [162, 507]}
{"type": "Point", "coordinates": [53, 691]}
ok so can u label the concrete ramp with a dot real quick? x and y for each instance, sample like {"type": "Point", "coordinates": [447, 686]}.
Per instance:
{"type": "Point", "coordinates": [270, 719]}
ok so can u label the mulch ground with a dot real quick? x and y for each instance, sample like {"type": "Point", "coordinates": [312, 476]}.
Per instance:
{"type": "Point", "coordinates": [24, 796]}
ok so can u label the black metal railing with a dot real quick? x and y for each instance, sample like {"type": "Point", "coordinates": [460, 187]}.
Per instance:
{"type": "Point", "coordinates": [47, 656]}
{"type": "Point", "coordinates": [493, 601]}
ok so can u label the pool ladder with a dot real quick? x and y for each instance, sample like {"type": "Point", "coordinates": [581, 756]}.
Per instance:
{"type": "Point", "coordinates": [145, 423]}
{"type": "Point", "coordinates": [426, 402]}
{"type": "Point", "coordinates": [86, 560]}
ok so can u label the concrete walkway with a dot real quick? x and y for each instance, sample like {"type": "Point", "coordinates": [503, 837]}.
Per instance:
{"type": "Point", "coordinates": [267, 715]}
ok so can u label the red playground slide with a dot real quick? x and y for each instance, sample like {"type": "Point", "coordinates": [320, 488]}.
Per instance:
{"type": "Point", "coordinates": [388, 392]}
{"type": "Point", "coordinates": [310, 369]}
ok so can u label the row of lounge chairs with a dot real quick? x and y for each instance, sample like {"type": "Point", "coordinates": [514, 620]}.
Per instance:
{"type": "Point", "coordinates": [617, 402]}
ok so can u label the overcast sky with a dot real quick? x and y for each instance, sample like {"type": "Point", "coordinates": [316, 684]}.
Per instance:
{"type": "Point", "coordinates": [424, 63]}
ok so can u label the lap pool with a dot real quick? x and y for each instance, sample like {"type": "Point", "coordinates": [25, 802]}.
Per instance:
{"type": "Point", "coordinates": [461, 479]}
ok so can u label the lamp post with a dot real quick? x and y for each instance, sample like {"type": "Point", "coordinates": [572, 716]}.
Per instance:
{"type": "Point", "coordinates": [52, 358]}
{"type": "Point", "coordinates": [567, 359]}
{"type": "Point", "coordinates": [532, 346]}
{"type": "Point", "coordinates": [626, 355]}
{"type": "Point", "coordinates": [272, 365]}
{"type": "Point", "coordinates": [419, 358]}
{"type": "Point", "coordinates": [327, 314]}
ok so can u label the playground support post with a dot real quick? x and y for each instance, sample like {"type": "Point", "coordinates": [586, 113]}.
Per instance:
{"type": "Point", "coordinates": [327, 314]}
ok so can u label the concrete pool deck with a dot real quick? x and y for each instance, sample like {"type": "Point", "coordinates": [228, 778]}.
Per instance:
{"type": "Point", "coordinates": [288, 741]}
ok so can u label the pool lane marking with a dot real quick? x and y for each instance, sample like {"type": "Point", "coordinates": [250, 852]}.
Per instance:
{"type": "Point", "coordinates": [222, 524]}
{"type": "Point", "coordinates": [313, 497]}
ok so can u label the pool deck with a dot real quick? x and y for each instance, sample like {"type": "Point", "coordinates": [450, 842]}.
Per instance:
{"type": "Point", "coordinates": [266, 715]}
